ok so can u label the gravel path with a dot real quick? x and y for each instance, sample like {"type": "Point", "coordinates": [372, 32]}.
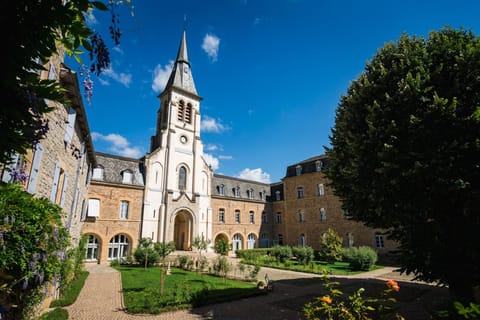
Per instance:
{"type": "Point", "coordinates": [101, 297]}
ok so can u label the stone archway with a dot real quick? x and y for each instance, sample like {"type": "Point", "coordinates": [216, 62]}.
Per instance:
{"type": "Point", "coordinates": [183, 230]}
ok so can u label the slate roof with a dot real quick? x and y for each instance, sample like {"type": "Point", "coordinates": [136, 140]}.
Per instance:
{"type": "Point", "coordinates": [231, 183]}
{"type": "Point", "coordinates": [181, 76]}
{"type": "Point", "coordinates": [309, 165]}
{"type": "Point", "coordinates": [113, 167]}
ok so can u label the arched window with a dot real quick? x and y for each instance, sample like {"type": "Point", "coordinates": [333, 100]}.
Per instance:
{"type": "Point", "coordinates": [182, 178]}
{"type": "Point", "coordinates": [302, 242]}
{"type": "Point", "coordinates": [251, 241]}
{"type": "Point", "coordinates": [91, 248]}
{"type": "Point", "coordinates": [323, 214]}
{"type": "Point", "coordinates": [264, 240]}
{"type": "Point", "coordinates": [118, 247]}
{"type": "Point", "coordinates": [237, 242]}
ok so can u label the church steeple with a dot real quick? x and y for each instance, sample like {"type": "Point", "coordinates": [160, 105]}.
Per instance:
{"type": "Point", "coordinates": [181, 76]}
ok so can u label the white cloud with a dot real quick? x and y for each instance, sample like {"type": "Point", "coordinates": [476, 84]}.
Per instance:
{"type": "Point", "coordinates": [222, 157]}
{"type": "Point", "coordinates": [255, 175]}
{"type": "Point", "coordinates": [212, 125]}
{"type": "Point", "coordinates": [118, 144]}
{"type": "Point", "coordinates": [211, 147]}
{"type": "Point", "coordinates": [123, 78]}
{"type": "Point", "coordinates": [160, 76]}
{"type": "Point", "coordinates": [210, 46]}
{"type": "Point", "coordinates": [211, 161]}
{"type": "Point", "coordinates": [117, 49]}
{"type": "Point", "coordinates": [257, 21]}
{"type": "Point", "coordinates": [104, 82]}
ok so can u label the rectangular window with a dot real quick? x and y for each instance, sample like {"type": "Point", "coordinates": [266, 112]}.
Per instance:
{"type": "Point", "coordinates": [252, 217]}
{"type": "Point", "coordinates": [298, 170]}
{"type": "Point", "coordinates": [320, 189]}
{"type": "Point", "coordinates": [279, 217]}
{"type": "Point", "coordinates": [127, 177]}
{"type": "Point", "coordinates": [237, 216]}
{"type": "Point", "coordinates": [221, 216]}
{"type": "Point", "coordinates": [300, 193]}
{"type": "Point", "coordinates": [277, 195]}
{"type": "Point", "coordinates": [93, 208]}
{"type": "Point", "coordinates": [264, 218]}
{"type": "Point", "coordinates": [346, 215]}
{"type": "Point", "coordinates": [379, 241]}
{"type": "Point", "coordinates": [124, 210]}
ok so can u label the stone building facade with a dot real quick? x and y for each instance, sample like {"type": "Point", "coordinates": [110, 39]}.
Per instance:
{"type": "Point", "coordinates": [113, 219]}
{"type": "Point", "coordinates": [173, 195]}
{"type": "Point", "coordinates": [58, 166]}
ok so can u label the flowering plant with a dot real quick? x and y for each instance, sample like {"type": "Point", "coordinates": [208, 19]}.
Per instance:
{"type": "Point", "coordinates": [335, 306]}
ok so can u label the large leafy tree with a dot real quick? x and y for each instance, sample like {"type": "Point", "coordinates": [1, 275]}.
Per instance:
{"type": "Point", "coordinates": [405, 154]}
{"type": "Point", "coordinates": [33, 32]}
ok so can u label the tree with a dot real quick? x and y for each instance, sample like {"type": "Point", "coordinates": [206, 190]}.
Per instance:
{"type": "Point", "coordinates": [201, 244]}
{"type": "Point", "coordinates": [405, 154]}
{"type": "Point", "coordinates": [330, 246]}
{"type": "Point", "coordinates": [221, 247]}
{"type": "Point", "coordinates": [163, 249]}
{"type": "Point", "coordinates": [37, 30]}
{"type": "Point", "coordinates": [145, 253]}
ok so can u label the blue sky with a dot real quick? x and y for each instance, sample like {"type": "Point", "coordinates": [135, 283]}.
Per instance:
{"type": "Point", "coordinates": [271, 72]}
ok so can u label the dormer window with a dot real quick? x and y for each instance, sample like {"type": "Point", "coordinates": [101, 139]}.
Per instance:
{"type": "Point", "coordinates": [262, 195]}
{"type": "Point", "coordinates": [236, 191]}
{"type": "Point", "coordinates": [250, 193]}
{"type": "Point", "coordinates": [298, 170]}
{"type": "Point", "coordinates": [127, 176]}
{"type": "Point", "coordinates": [277, 195]}
{"type": "Point", "coordinates": [98, 173]}
{"type": "Point", "coordinates": [318, 165]}
{"type": "Point", "coordinates": [221, 189]}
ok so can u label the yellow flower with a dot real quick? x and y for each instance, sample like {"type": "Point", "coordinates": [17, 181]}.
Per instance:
{"type": "Point", "coordinates": [326, 299]}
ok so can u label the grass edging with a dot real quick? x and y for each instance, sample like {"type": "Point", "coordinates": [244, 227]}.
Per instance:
{"type": "Point", "coordinates": [70, 293]}
{"type": "Point", "coordinates": [55, 314]}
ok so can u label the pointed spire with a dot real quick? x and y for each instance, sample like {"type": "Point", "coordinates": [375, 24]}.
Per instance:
{"type": "Point", "coordinates": [181, 76]}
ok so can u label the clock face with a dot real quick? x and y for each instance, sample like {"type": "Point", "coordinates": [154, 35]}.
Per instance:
{"type": "Point", "coordinates": [183, 139]}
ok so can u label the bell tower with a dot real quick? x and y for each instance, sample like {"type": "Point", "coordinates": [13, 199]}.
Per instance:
{"type": "Point", "coordinates": [177, 194]}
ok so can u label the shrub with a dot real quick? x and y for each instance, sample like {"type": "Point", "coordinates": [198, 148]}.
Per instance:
{"type": "Point", "coordinates": [252, 254]}
{"type": "Point", "coordinates": [149, 253]}
{"type": "Point", "coordinates": [33, 243]}
{"type": "Point", "coordinates": [221, 247]}
{"type": "Point", "coordinates": [55, 314]}
{"type": "Point", "coordinates": [361, 258]}
{"type": "Point", "coordinates": [304, 255]}
{"type": "Point", "coordinates": [330, 246]}
{"type": "Point", "coordinates": [282, 253]}
{"type": "Point", "coordinates": [222, 267]}
{"type": "Point", "coordinates": [182, 261]}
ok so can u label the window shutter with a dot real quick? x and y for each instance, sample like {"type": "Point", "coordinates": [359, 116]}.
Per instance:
{"type": "Point", "coordinates": [7, 172]}
{"type": "Point", "coordinates": [32, 182]}
{"type": "Point", "coordinates": [64, 190]}
{"type": "Point", "coordinates": [56, 176]}
{"type": "Point", "coordinates": [52, 73]}
{"type": "Point", "coordinates": [72, 114]}
{"type": "Point", "coordinates": [93, 208]}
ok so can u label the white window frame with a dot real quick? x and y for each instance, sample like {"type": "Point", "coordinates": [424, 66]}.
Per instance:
{"type": "Point", "coordinates": [379, 241]}
{"type": "Point", "coordinates": [323, 214]}
{"type": "Point", "coordinates": [221, 215]}
{"type": "Point", "coordinates": [300, 194]}
{"type": "Point", "coordinates": [127, 177]}
{"type": "Point", "coordinates": [298, 170]}
{"type": "Point", "coordinates": [237, 216]}
{"type": "Point", "coordinates": [252, 217]}
{"type": "Point", "coordinates": [124, 209]}
{"type": "Point", "coordinates": [320, 189]}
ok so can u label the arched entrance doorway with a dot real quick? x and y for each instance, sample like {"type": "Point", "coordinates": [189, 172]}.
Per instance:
{"type": "Point", "coordinates": [182, 231]}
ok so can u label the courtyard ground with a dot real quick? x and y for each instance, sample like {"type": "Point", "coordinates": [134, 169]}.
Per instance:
{"type": "Point", "coordinates": [101, 297]}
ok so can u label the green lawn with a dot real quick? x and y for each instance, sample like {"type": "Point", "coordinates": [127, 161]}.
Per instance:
{"type": "Point", "coordinates": [69, 294]}
{"type": "Point", "coordinates": [182, 289]}
{"type": "Point", "coordinates": [317, 267]}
